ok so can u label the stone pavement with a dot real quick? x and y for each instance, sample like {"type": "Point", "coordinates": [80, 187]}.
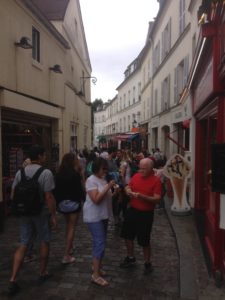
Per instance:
{"type": "Point", "coordinates": [179, 272]}
{"type": "Point", "coordinates": [73, 281]}
{"type": "Point", "coordinates": [195, 281]}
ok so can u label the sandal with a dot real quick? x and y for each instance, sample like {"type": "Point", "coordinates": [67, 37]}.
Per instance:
{"type": "Point", "coordinates": [99, 281]}
{"type": "Point", "coordinates": [43, 278]}
{"type": "Point", "coordinates": [68, 260]}
{"type": "Point", "coordinates": [101, 271]}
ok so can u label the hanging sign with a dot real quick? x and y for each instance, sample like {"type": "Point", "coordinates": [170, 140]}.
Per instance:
{"type": "Point", "coordinates": [177, 169]}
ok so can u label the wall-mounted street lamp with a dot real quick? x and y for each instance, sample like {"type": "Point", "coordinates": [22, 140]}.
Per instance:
{"type": "Point", "coordinates": [56, 69]}
{"type": "Point", "coordinates": [24, 43]}
{"type": "Point", "coordinates": [93, 80]}
{"type": "Point", "coordinates": [80, 93]}
{"type": "Point", "coordinates": [134, 123]}
{"type": "Point", "coordinates": [82, 84]}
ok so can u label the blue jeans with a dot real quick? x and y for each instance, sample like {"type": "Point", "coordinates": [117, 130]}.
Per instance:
{"type": "Point", "coordinates": [99, 232]}
{"type": "Point", "coordinates": [39, 224]}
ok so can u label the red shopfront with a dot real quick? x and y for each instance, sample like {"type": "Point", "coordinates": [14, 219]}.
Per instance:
{"type": "Point", "coordinates": [208, 96]}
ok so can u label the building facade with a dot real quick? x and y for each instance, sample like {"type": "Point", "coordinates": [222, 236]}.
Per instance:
{"type": "Point", "coordinates": [207, 86]}
{"type": "Point", "coordinates": [44, 82]}
{"type": "Point", "coordinates": [122, 115]}
{"type": "Point", "coordinates": [182, 106]}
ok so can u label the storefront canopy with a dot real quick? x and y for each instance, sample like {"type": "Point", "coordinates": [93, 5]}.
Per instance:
{"type": "Point", "coordinates": [101, 138]}
{"type": "Point", "coordinates": [126, 137]}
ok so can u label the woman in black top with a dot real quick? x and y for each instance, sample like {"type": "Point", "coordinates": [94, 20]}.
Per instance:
{"type": "Point", "coordinates": [69, 186]}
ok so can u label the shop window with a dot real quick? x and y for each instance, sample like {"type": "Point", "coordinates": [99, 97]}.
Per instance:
{"type": "Point", "coordinates": [223, 41]}
{"type": "Point", "coordinates": [155, 137]}
{"type": "Point", "coordinates": [73, 137]}
{"type": "Point", "coordinates": [187, 138]}
{"type": "Point", "coordinates": [18, 138]}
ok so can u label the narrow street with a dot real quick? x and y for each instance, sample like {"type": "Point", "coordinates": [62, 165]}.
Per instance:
{"type": "Point", "coordinates": [73, 281]}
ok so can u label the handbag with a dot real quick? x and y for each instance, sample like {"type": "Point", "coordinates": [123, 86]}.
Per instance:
{"type": "Point", "coordinates": [69, 206]}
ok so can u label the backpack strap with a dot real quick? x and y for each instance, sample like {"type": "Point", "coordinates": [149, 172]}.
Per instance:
{"type": "Point", "coordinates": [23, 175]}
{"type": "Point", "coordinates": [38, 173]}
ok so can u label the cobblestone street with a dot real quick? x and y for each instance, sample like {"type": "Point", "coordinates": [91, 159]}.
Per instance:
{"type": "Point", "coordinates": [73, 281]}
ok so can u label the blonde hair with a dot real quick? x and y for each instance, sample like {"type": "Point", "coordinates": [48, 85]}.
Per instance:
{"type": "Point", "coordinates": [126, 156]}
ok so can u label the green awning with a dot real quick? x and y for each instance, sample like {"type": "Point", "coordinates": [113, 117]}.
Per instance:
{"type": "Point", "coordinates": [101, 138]}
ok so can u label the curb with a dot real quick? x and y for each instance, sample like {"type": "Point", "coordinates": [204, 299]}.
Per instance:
{"type": "Point", "coordinates": [187, 242]}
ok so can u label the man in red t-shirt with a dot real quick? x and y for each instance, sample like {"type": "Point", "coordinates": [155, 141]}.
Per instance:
{"type": "Point", "coordinates": [144, 190]}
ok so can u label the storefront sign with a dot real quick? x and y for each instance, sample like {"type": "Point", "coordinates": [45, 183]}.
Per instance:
{"type": "Point", "coordinates": [178, 169]}
{"type": "Point", "coordinates": [134, 129]}
{"type": "Point", "coordinates": [155, 123]}
{"type": "Point", "coordinates": [178, 115]}
{"type": "Point", "coordinates": [204, 86]}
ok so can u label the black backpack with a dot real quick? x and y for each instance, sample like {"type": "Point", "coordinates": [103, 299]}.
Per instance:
{"type": "Point", "coordinates": [28, 197]}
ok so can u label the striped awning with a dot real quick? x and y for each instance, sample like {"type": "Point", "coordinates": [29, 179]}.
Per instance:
{"type": "Point", "coordinates": [126, 137]}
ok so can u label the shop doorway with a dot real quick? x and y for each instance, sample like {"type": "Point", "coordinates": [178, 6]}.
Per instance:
{"type": "Point", "coordinates": [16, 141]}
{"type": "Point", "coordinates": [206, 200]}
{"type": "Point", "coordinates": [17, 138]}
{"type": "Point", "coordinates": [165, 141]}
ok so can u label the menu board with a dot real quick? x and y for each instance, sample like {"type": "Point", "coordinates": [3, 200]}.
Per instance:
{"type": "Point", "coordinates": [218, 168]}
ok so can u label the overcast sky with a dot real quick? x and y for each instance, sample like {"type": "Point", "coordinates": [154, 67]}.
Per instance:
{"type": "Point", "coordinates": [115, 31]}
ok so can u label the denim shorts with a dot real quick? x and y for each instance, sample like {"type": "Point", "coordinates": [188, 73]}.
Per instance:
{"type": "Point", "coordinates": [38, 225]}
{"type": "Point", "coordinates": [98, 231]}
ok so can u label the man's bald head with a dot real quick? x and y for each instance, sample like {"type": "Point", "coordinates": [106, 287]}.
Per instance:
{"type": "Point", "coordinates": [146, 166]}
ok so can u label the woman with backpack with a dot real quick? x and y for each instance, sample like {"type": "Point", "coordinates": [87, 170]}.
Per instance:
{"type": "Point", "coordinates": [69, 193]}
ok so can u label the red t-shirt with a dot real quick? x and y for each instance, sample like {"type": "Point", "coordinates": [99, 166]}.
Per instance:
{"type": "Point", "coordinates": [147, 186]}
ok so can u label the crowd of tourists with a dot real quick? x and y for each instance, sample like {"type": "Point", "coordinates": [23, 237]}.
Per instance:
{"type": "Point", "coordinates": [111, 185]}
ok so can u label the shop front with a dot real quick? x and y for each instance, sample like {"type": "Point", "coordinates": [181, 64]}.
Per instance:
{"type": "Point", "coordinates": [209, 111]}
{"type": "Point", "coordinates": [129, 141]}
{"type": "Point", "coordinates": [102, 141]}
{"type": "Point", "coordinates": [19, 132]}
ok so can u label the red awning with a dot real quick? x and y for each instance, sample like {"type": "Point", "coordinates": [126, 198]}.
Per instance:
{"type": "Point", "coordinates": [126, 137]}
{"type": "Point", "coordinates": [186, 123]}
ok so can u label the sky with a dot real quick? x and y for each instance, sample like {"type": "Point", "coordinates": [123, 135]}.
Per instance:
{"type": "Point", "coordinates": [115, 32]}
